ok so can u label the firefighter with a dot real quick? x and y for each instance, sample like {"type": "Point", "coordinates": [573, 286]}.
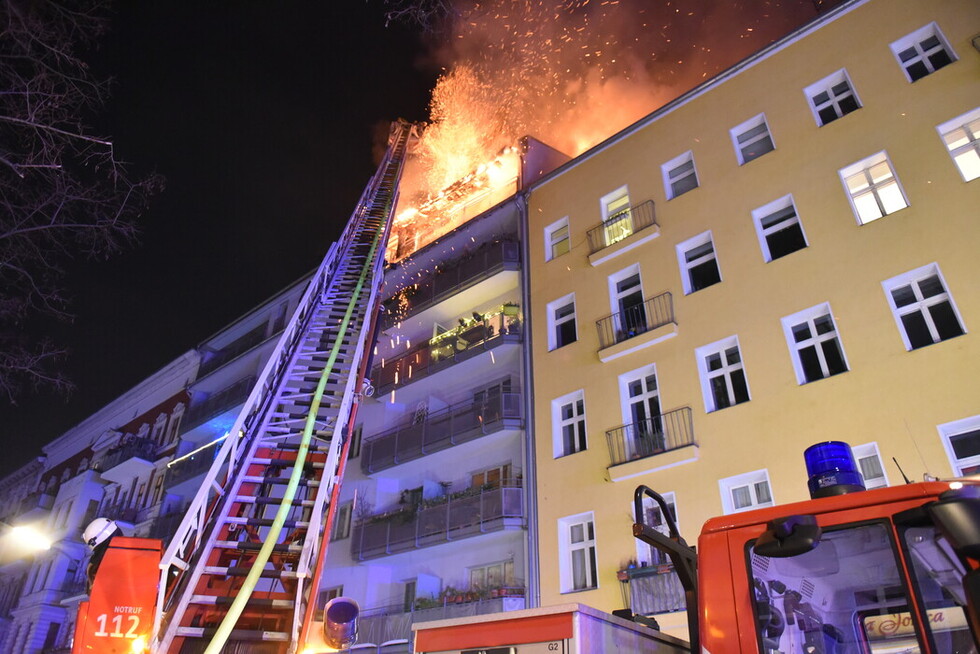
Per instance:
{"type": "Point", "coordinates": [97, 536]}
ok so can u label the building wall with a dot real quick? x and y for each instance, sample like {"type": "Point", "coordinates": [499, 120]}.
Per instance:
{"type": "Point", "coordinates": [889, 396]}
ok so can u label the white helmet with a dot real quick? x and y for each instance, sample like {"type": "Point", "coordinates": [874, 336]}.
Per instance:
{"type": "Point", "coordinates": [98, 531]}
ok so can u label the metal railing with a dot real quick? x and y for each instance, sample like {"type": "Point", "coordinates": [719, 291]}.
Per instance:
{"type": "Point", "coordinates": [653, 312]}
{"type": "Point", "coordinates": [220, 357]}
{"type": "Point", "coordinates": [439, 430]}
{"type": "Point", "coordinates": [620, 225]}
{"type": "Point", "coordinates": [655, 589]}
{"type": "Point", "coordinates": [485, 262]}
{"type": "Point", "coordinates": [136, 448]}
{"type": "Point", "coordinates": [447, 349]}
{"type": "Point", "coordinates": [217, 403]}
{"type": "Point", "coordinates": [120, 512]}
{"type": "Point", "coordinates": [190, 467]}
{"type": "Point", "coordinates": [656, 435]}
{"type": "Point", "coordinates": [38, 500]}
{"type": "Point", "coordinates": [165, 525]}
{"type": "Point", "coordinates": [455, 516]}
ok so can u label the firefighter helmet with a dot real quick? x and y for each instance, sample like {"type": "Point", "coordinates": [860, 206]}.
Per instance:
{"type": "Point", "coordinates": [98, 531]}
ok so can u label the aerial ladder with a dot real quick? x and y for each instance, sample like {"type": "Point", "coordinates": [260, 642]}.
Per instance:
{"type": "Point", "coordinates": [241, 572]}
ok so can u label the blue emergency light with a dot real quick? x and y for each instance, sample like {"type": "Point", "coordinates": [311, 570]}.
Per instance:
{"type": "Point", "coordinates": [832, 469]}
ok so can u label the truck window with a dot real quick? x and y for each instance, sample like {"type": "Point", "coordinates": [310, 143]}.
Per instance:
{"type": "Point", "coordinates": [825, 600]}
{"type": "Point", "coordinates": [937, 578]}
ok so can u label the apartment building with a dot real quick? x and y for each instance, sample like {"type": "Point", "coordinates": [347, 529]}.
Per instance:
{"type": "Point", "coordinates": [783, 255]}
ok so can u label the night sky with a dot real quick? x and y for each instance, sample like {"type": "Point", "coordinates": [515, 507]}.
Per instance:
{"type": "Point", "coordinates": [261, 116]}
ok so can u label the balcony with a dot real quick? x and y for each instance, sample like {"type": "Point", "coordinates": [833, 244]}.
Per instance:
{"type": "Point", "coordinates": [35, 506]}
{"type": "Point", "coordinates": [217, 358]}
{"type": "Point", "coordinates": [639, 319]}
{"type": "Point", "coordinates": [486, 261]}
{"type": "Point", "coordinates": [658, 436]}
{"type": "Point", "coordinates": [165, 525]}
{"type": "Point", "coordinates": [219, 402]}
{"type": "Point", "coordinates": [189, 467]}
{"type": "Point", "coordinates": [621, 226]}
{"type": "Point", "coordinates": [655, 589]}
{"type": "Point", "coordinates": [456, 424]}
{"type": "Point", "coordinates": [471, 338]}
{"type": "Point", "coordinates": [120, 513]}
{"type": "Point", "coordinates": [127, 460]}
{"type": "Point", "coordinates": [460, 515]}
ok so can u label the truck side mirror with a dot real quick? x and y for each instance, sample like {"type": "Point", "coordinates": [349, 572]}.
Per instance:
{"type": "Point", "coordinates": [957, 516]}
{"type": "Point", "coordinates": [788, 536]}
{"type": "Point", "coordinates": [340, 622]}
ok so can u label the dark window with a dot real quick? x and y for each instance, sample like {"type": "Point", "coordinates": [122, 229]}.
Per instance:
{"type": "Point", "coordinates": [783, 233]}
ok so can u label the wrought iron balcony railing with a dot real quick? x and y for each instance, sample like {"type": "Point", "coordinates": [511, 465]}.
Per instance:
{"type": "Point", "coordinates": [656, 435]}
{"type": "Point", "coordinates": [120, 513]}
{"type": "Point", "coordinates": [452, 517]}
{"type": "Point", "coordinates": [485, 262]}
{"type": "Point", "coordinates": [620, 225]}
{"type": "Point", "coordinates": [640, 318]}
{"type": "Point", "coordinates": [218, 403]}
{"type": "Point", "coordinates": [190, 467]}
{"type": "Point", "coordinates": [461, 343]}
{"type": "Point", "coordinates": [439, 430]}
{"type": "Point", "coordinates": [136, 448]}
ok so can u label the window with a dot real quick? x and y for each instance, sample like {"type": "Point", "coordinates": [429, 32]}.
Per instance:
{"type": "Point", "coordinates": [832, 97]}
{"type": "Point", "coordinates": [653, 516]}
{"type": "Point", "coordinates": [680, 176]}
{"type": "Point", "coordinates": [562, 329]}
{"type": "Point", "coordinates": [922, 52]}
{"type": "Point", "coordinates": [493, 575]}
{"type": "Point", "coordinates": [922, 307]}
{"type": "Point", "coordinates": [745, 492]}
{"type": "Point", "coordinates": [869, 461]}
{"type": "Point", "coordinates": [568, 423]}
{"type": "Point", "coordinates": [752, 139]}
{"type": "Point", "coordinates": [626, 301]}
{"type": "Point", "coordinates": [698, 262]}
{"type": "Point", "coordinates": [494, 477]}
{"type": "Point", "coordinates": [354, 450]}
{"type": "Point", "coordinates": [577, 562]}
{"type": "Point", "coordinates": [779, 228]}
{"type": "Point", "coordinates": [873, 188]}
{"type": "Point", "coordinates": [341, 522]}
{"type": "Point", "coordinates": [556, 242]}
{"type": "Point", "coordinates": [616, 222]}
{"type": "Point", "coordinates": [962, 138]}
{"type": "Point", "coordinates": [814, 344]}
{"type": "Point", "coordinates": [722, 374]}
{"type": "Point", "coordinates": [641, 409]}
{"type": "Point", "coordinates": [962, 442]}
{"type": "Point", "coordinates": [328, 594]}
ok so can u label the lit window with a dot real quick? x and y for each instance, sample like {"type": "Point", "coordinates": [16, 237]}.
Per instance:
{"type": "Point", "coordinates": [341, 522]}
{"type": "Point", "coordinates": [745, 492]}
{"type": "Point", "coordinates": [869, 461]}
{"type": "Point", "coordinates": [752, 139]}
{"type": "Point", "coordinates": [617, 222]}
{"type": "Point", "coordinates": [922, 52]}
{"type": "Point", "coordinates": [680, 176]}
{"type": "Point", "coordinates": [698, 262]}
{"type": "Point", "coordinates": [814, 344]}
{"type": "Point", "coordinates": [922, 307]}
{"type": "Point", "coordinates": [873, 188]}
{"type": "Point", "coordinates": [556, 242]}
{"type": "Point", "coordinates": [577, 561]}
{"type": "Point", "coordinates": [962, 138]}
{"type": "Point", "coordinates": [723, 379]}
{"type": "Point", "coordinates": [962, 442]}
{"type": "Point", "coordinates": [561, 322]}
{"type": "Point", "coordinates": [832, 97]}
{"type": "Point", "coordinates": [779, 229]}
{"type": "Point", "coordinates": [568, 424]}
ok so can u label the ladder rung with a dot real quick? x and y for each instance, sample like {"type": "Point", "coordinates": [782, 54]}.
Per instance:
{"type": "Point", "coordinates": [236, 634]}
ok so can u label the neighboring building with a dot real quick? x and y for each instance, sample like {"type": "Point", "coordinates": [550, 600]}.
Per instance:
{"type": "Point", "coordinates": [20, 504]}
{"type": "Point", "coordinates": [784, 255]}
{"type": "Point", "coordinates": [110, 464]}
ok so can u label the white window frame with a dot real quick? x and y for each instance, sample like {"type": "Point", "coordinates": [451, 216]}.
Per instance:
{"type": "Point", "coordinates": [685, 266]}
{"type": "Point", "coordinates": [551, 242]}
{"type": "Point", "coordinates": [566, 547]}
{"type": "Point", "coordinates": [874, 188]}
{"type": "Point", "coordinates": [557, 423]}
{"type": "Point", "coordinates": [342, 522]}
{"type": "Point", "coordinates": [554, 322]}
{"type": "Point", "coordinates": [647, 555]}
{"type": "Point", "coordinates": [751, 124]}
{"type": "Point", "coordinates": [912, 277]}
{"type": "Point", "coordinates": [620, 229]}
{"type": "Point", "coordinates": [728, 485]}
{"type": "Point", "coordinates": [720, 347]}
{"type": "Point", "coordinates": [826, 86]}
{"type": "Point", "coordinates": [950, 429]}
{"type": "Point", "coordinates": [815, 340]}
{"type": "Point", "coordinates": [675, 163]}
{"type": "Point", "coordinates": [776, 206]}
{"type": "Point", "coordinates": [867, 451]}
{"type": "Point", "coordinates": [914, 41]}
{"type": "Point", "coordinates": [963, 150]}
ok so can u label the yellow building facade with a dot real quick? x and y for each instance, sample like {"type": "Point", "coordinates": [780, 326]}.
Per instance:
{"type": "Point", "coordinates": [785, 255]}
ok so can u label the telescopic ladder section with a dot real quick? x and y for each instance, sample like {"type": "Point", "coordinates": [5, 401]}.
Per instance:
{"type": "Point", "coordinates": [237, 575]}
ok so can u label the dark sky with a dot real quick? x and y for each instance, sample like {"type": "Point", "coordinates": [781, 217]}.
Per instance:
{"type": "Point", "coordinates": [261, 117]}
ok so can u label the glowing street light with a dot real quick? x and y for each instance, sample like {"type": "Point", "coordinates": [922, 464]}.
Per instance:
{"type": "Point", "coordinates": [26, 537]}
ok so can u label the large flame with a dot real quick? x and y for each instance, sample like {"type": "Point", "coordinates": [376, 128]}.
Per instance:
{"type": "Point", "coordinates": [568, 72]}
